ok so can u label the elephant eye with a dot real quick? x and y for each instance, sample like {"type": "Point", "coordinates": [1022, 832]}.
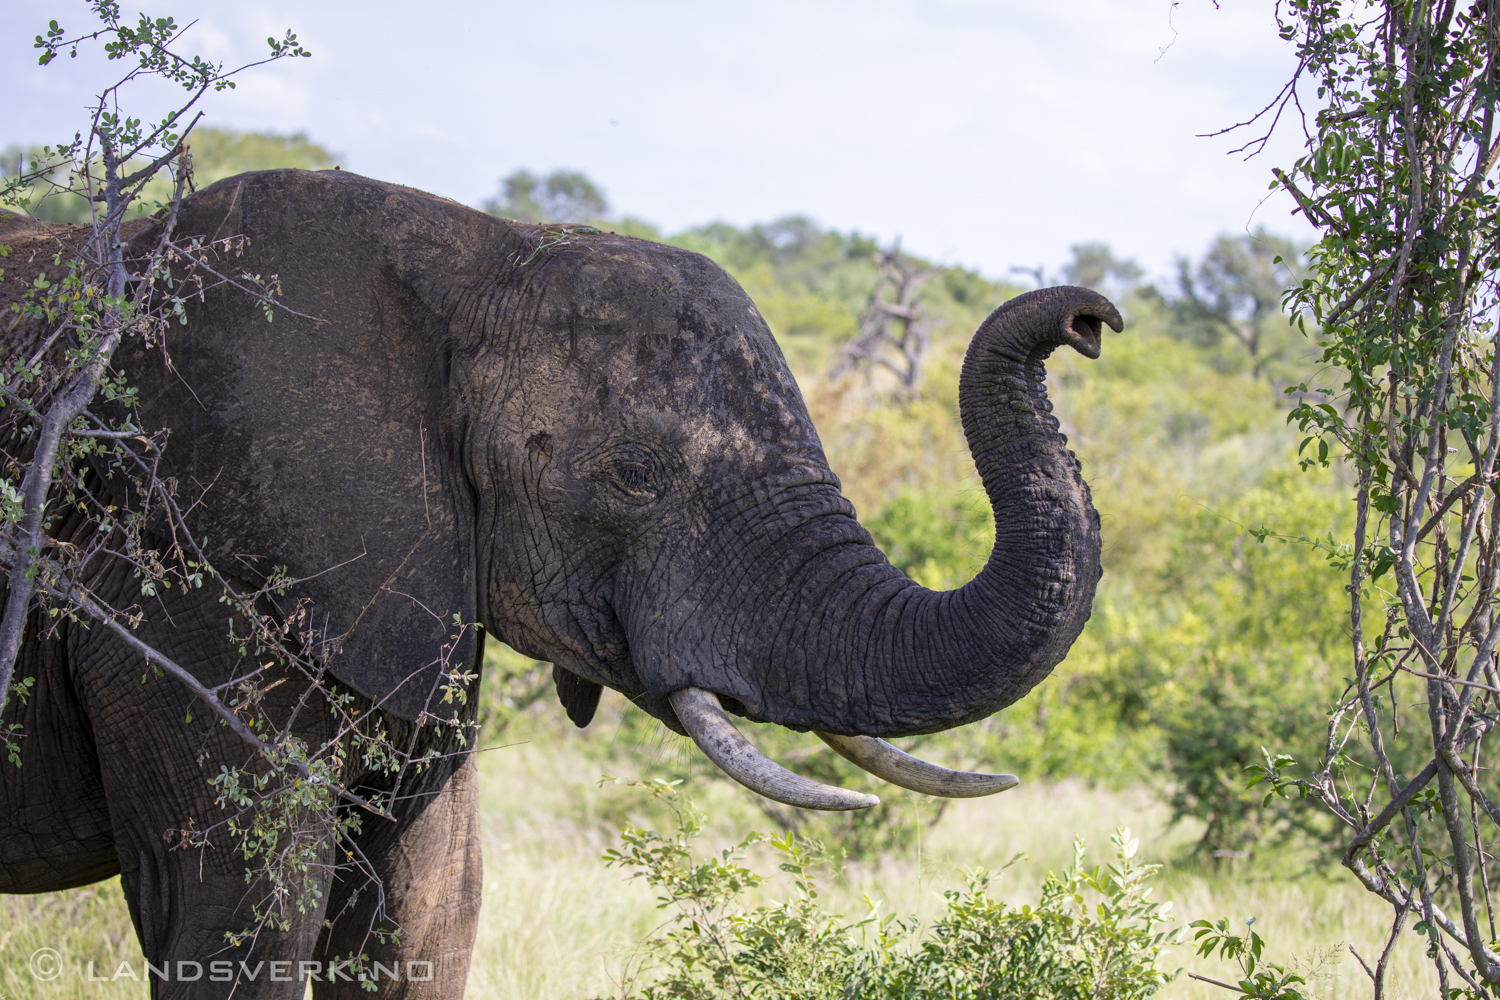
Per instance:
{"type": "Point", "coordinates": [636, 477]}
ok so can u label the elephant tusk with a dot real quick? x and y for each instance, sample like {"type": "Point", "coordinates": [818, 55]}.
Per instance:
{"type": "Point", "coordinates": [901, 768]}
{"type": "Point", "coordinates": [706, 721]}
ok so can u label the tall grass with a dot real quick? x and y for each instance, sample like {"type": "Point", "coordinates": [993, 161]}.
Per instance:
{"type": "Point", "coordinates": [81, 926]}
{"type": "Point", "coordinates": [557, 924]}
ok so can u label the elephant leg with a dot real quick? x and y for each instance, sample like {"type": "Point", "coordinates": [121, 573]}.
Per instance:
{"type": "Point", "coordinates": [54, 820]}
{"type": "Point", "coordinates": [429, 867]}
{"type": "Point", "coordinates": [156, 768]}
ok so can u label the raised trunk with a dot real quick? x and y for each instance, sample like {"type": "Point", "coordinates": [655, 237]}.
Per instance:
{"type": "Point", "coordinates": [884, 656]}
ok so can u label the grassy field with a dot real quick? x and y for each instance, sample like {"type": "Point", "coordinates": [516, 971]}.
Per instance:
{"type": "Point", "coordinates": [557, 924]}
{"type": "Point", "coordinates": [546, 824]}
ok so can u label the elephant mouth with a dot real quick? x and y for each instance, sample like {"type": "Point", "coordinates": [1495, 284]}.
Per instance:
{"type": "Point", "coordinates": [709, 725]}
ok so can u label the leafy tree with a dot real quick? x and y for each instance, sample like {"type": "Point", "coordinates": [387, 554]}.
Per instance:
{"type": "Point", "coordinates": [43, 178]}
{"type": "Point", "coordinates": [1267, 638]}
{"type": "Point", "coordinates": [92, 298]}
{"type": "Point", "coordinates": [1095, 266]}
{"type": "Point", "coordinates": [796, 249]}
{"type": "Point", "coordinates": [1236, 292]}
{"type": "Point", "coordinates": [217, 153]}
{"type": "Point", "coordinates": [1401, 289]}
{"type": "Point", "coordinates": [65, 412]}
{"type": "Point", "coordinates": [561, 196]}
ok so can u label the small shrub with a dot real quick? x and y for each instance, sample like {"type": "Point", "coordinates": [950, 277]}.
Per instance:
{"type": "Point", "coordinates": [715, 946]}
{"type": "Point", "coordinates": [983, 948]}
{"type": "Point", "coordinates": [1259, 979]}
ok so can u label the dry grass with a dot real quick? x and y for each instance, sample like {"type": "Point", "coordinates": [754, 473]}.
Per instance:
{"type": "Point", "coordinates": [82, 925]}
{"type": "Point", "coordinates": [557, 924]}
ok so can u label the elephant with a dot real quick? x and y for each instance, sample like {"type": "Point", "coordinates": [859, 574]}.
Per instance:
{"type": "Point", "coordinates": [587, 443]}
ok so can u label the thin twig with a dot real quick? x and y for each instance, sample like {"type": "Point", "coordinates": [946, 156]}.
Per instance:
{"type": "Point", "coordinates": [1215, 982]}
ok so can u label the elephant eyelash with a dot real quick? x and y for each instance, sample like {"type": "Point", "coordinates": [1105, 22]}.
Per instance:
{"type": "Point", "coordinates": [637, 477]}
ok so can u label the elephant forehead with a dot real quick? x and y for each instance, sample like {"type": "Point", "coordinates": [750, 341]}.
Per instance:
{"type": "Point", "coordinates": [714, 364]}
{"type": "Point", "coordinates": [706, 442]}
{"type": "Point", "coordinates": [619, 334]}
{"type": "Point", "coordinates": [731, 394]}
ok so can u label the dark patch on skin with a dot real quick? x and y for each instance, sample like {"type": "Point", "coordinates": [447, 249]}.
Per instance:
{"type": "Point", "coordinates": [689, 320]}
{"type": "Point", "coordinates": [540, 443]}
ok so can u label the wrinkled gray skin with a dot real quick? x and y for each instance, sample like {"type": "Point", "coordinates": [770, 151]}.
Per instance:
{"type": "Point", "coordinates": [591, 445]}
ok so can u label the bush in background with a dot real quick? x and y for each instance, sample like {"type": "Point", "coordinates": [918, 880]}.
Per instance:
{"type": "Point", "coordinates": [217, 153]}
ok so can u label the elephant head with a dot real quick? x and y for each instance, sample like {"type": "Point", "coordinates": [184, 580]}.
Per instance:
{"type": "Point", "coordinates": [593, 445]}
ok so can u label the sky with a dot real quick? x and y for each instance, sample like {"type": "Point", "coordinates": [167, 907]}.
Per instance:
{"type": "Point", "coordinates": [983, 133]}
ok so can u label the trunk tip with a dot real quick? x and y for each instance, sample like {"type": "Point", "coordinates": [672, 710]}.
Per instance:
{"type": "Point", "coordinates": [1081, 325]}
{"type": "Point", "coordinates": [1062, 314]}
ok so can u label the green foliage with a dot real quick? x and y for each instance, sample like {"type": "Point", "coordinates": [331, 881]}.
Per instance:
{"type": "Point", "coordinates": [1194, 621]}
{"type": "Point", "coordinates": [11, 732]}
{"type": "Point", "coordinates": [1259, 979]}
{"type": "Point", "coordinates": [510, 683]}
{"type": "Point", "coordinates": [561, 196]}
{"type": "Point", "coordinates": [1267, 628]}
{"type": "Point", "coordinates": [118, 147]}
{"type": "Point", "coordinates": [937, 539]}
{"type": "Point", "coordinates": [809, 283]}
{"type": "Point", "coordinates": [283, 804]}
{"type": "Point", "coordinates": [1397, 174]}
{"type": "Point", "coordinates": [217, 153]}
{"type": "Point", "coordinates": [1230, 302]}
{"type": "Point", "coordinates": [718, 948]}
{"type": "Point", "coordinates": [1094, 265]}
{"type": "Point", "coordinates": [715, 945]}
{"type": "Point", "coordinates": [220, 153]}
{"type": "Point", "coordinates": [1058, 949]}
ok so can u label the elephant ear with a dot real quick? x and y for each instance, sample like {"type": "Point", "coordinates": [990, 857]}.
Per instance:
{"type": "Point", "coordinates": [321, 443]}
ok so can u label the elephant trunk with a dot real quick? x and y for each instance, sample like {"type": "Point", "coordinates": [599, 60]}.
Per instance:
{"type": "Point", "coordinates": [875, 654]}
{"type": "Point", "coordinates": [919, 661]}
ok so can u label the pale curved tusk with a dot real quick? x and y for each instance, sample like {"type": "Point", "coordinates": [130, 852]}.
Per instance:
{"type": "Point", "coordinates": [901, 768]}
{"type": "Point", "coordinates": [709, 725]}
